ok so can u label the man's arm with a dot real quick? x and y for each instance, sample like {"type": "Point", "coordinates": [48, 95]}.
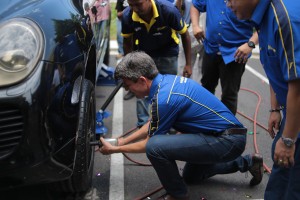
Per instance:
{"type": "Point", "coordinates": [275, 117]}
{"type": "Point", "coordinates": [128, 44]}
{"type": "Point", "coordinates": [186, 43]}
{"type": "Point", "coordinates": [291, 127]}
{"type": "Point", "coordinates": [197, 30]}
{"type": "Point", "coordinates": [137, 147]}
{"type": "Point", "coordinates": [243, 52]}
{"type": "Point", "coordinates": [178, 4]}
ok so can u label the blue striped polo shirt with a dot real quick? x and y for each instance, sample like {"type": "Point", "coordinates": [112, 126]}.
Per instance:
{"type": "Point", "coordinates": [160, 37]}
{"type": "Point", "coordinates": [184, 104]}
{"type": "Point", "coordinates": [278, 26]}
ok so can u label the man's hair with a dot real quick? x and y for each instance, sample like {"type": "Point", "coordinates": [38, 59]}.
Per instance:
{"type": "Point", "coordinates": [134, 65]}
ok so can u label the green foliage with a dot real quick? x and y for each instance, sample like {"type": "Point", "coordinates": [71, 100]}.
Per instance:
{"type": "Point", "coordinates": [113, 25]}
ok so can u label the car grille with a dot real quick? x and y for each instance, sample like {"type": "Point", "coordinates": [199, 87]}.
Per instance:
{"type": "Point", "coordinates": [11, 129]}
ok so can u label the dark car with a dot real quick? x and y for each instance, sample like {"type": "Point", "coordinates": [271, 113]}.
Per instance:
{"type": "Point", "coordinates": [49, 64]}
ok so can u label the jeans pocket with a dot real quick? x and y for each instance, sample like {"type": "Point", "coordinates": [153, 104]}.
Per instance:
{"type": "Point", "coordinates": [233, 146]}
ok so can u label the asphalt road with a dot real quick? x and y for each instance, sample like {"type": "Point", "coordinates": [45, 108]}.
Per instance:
{"type": "Point", "coordinates": [118, 178]}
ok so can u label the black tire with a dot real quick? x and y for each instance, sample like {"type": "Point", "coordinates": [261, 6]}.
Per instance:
{"type": "Point", "coordinates": [81, 179]}
{"type": "Point", "coordinates": [106, 56]}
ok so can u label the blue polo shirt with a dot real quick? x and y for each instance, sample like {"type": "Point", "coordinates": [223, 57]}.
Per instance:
{"type": "Point", "coordinates": [278, 26]}
{"type": "Point", "coordinates": [160, 37]}
{"type": "Point", "coordinates": [224, 32]}
{"type": "Point", "coordinates": [184, 104]}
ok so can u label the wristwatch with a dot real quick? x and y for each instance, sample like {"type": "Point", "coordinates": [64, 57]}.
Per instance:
{"type": "Point", "coordinates": [251, 44]}
{"type": "Point", "coordinates": [288, 141]}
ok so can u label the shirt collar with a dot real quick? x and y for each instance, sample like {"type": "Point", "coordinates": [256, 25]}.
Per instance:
{"type": "Point", "coordinates": [155, 85]}
{"type": "Point", "coordinates": [260, 11]}
{"type": "Point", "coordinates": [136, 17]}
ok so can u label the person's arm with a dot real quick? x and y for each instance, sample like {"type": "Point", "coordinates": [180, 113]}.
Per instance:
{"type": "Point", "coordinates": [119, 15]}
{"type": "Point", "coordinates": [136, 136]}
{"type": "Point", "coordinates": [275, 115]}
{"type": "Point", "coordinates": [178, 4]}
{"type": "Point", "coordinates": [186, 43]}
{"type": "Point", "coordinates": [243, 52]}
{"type": "Point", "coordinates": [128, 44]}
{"type": "Point", "coordinates": [291, 127]}
{"type": "Point", "coordinates": [197, 30]}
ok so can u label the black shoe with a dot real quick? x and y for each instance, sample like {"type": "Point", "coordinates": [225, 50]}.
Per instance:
{"type": "Point", "coordinates": [128, 96]}
{"type": "Point", "coordinates": [257, 169]}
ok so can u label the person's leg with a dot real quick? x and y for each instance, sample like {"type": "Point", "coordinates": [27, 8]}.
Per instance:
{"type": "Point", "coordinates": [119, 37]}
{"type": "Point", "coordinates": [210, 71]}
{"type": "Point", "coordinates": [181, 60]}
{"type": "Point", "coordinates": [164, 150]}
{"type": "Point", "coordinates": [142, 111]}
{"type": "Point", "coordinates": [293, 190]}
{"type": "Point", "coordinates": [230, 78]}
{"type": "Point", "coordinates": [166, 65]}
{"type": "Point", "coordinates": [198, 63]}
{"type": "Point", "coordinates": [194, 173]}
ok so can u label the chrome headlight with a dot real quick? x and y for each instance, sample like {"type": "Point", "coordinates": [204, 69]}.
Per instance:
{"type": "Point", "coordinates": [21, 45]}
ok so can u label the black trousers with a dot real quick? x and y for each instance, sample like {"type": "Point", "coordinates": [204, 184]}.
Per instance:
{"type": "Point", "coordinates": [230, 76]}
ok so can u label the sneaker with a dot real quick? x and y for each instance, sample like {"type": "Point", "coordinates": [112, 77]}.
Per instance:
{"type": "Point", "coordinates": [256, 170]}
{"type": "Point", "coordinates": [128, 96]}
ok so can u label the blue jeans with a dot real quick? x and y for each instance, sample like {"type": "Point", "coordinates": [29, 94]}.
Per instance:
{"type": "Point", "coordinates": [205, 155]}
{"type": "Point", "coordinates": [165, 65]}
{"type": "Point", "coordinates": [284, 183]}
{"type": "Point", "coordinates": [119, 37]}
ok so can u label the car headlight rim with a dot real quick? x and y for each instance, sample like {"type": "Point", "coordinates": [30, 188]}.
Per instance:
{"type": "Point", "coordinates": [21, 48]}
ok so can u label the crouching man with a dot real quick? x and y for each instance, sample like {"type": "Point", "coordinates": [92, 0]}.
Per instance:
{"type": "Point", "coordinates": [211, 140]}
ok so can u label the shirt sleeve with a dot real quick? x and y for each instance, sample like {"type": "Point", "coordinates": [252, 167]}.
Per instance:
{"type": "Point", "coordinates": [175, 20]}
{"type": "Point", "coordinates": [200, 5]}
{"type": "Point", "coordinates": [127, 23]}
{"type": "Point", "coordinates": [289, 48]}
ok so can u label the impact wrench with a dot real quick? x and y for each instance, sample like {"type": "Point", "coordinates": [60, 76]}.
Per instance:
{"type": "Point", "coordinates": [106, 103]}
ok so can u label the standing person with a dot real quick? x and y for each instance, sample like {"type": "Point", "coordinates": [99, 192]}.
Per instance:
{"type": "Point", "coordinates": [228, 43]}
{"type": "Point", "coordinates": [278, 25]}
{"type": "Point", "coordinates": [197, 49]}
{"type": "Point", "coordinates": [120, 6]}
{"type": "Point", "coordinates": [153, 26]}
{"type": "Point", "coordinates": [211, 140]}
{"type": "Point", "coordinates": [100, 11]}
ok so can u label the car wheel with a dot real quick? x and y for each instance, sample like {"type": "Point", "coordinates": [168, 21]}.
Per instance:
{"type": "Point", "coordinates": [81, 179]}
{"type": "Point", "coordinates": [106, 56]}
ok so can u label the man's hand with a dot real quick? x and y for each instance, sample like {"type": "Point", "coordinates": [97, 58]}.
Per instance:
{"type": "Point", "coordinates": [187, 71]}
{"type": "Point", "coordinates": [107, 148]}
{"type": "Point", "coordinates": [283, 155]}
{"type": "Point", "coordinates": [274, 123]}
{"type": "Point", "coordinates": [242, 53]}
{"type": "Point", "coordinates": [198, 33]}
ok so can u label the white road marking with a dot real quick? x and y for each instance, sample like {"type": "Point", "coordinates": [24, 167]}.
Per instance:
{"type": "Point", "coordinates": [116, 188]}
{"type": "Point", "coordinates": [256, 73]}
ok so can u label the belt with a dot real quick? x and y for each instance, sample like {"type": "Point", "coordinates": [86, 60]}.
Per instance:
{"type": "Point", "coordinates": [231, 131]}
